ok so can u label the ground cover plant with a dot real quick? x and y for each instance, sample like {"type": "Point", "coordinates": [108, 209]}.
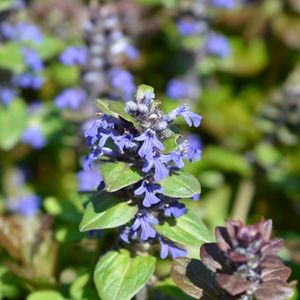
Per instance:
{"type": "Point", "coordinates": [149, 149]}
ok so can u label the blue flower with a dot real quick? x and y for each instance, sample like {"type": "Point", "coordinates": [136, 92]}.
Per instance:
{"type": "Point", "coordinates": [26, 205]}
{"type": "Point", "coordinates": [150, 190]}
{"type": "Point", "coordinates": [73, 55]}
{"type": "Point", "coordinates": [188, 27]}
{"type": "Point", "coordinates": [28, 80]}
{"type": "Point", "coordinates": [144, 222]}
{"type": "Point", "coordinates": [124, 141]}
{"type": "Point", "coordinates": [7, 30]}
{"type": "Point", "coordinates": [89, 180]}
{"type": "Point", "coordinates": [32, 59]}
{"type": "Point", "coordinates": [173, 209]}
{"type": "Point", "coordinates": [34, 136]}
{"type": "Point", "coordinates": [177, 89]}
{"type": "Point", "coordinates": [7, 95]}
{"type": "Point", "coordinates": [227, 4]}
{"type": "Point", "coordinates": [149, 142]}
{"type": "Point", "coordinates": [122, 81]}
{"type": "Point", "coordinates": [28, 33]}
{"type": "Point", "coordinates": [217, 44]}
{"type": "Point", "coordinates": [157, 160]}
{"type": "Point", "coordinates": [169, 247]}
{"type": "Point", "coordinates": [132, 52]}
{"type": "Point", "coordinates": [70, 99]}
{"type": "Point", "coordinates": [184, 151]}
{"type": "Point", "coordinates": [184, 111]}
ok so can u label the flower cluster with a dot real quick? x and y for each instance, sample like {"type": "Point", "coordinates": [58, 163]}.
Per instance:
{"type": "Point", "coordinates": [107, 49]}
{"type": "Point", "coordinates": [193, 22]}
{"type": "Point", "coordinates": [27, 35]}
{"type": "Point", "coordinates": [245, 263]}
{"type": "Point", "coordinates": [142, 145]}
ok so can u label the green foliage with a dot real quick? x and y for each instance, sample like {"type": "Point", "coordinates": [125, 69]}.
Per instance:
{"type": "Point", "coordinates": [115, 109]}
{"type": "Point", "coordinates": [106, 211]}
{"type": "Point", "coordinates": [118, 175]}
{"type": "Point", "coordinates": [11, 57]}
{"type": "Point", "coordinates": [13, 121]}
{"type": "Point", "coordinates": [45, 295]}
{"type": "Point", "coordinates": [186, 230]}
{"type": "Point", "coordinates": [118, 276]}
{"type": "Point", "coordinates": [180, 185]}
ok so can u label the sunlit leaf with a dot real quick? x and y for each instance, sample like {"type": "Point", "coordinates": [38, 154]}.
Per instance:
{"type": "Point", "coordinates": [118, 276]}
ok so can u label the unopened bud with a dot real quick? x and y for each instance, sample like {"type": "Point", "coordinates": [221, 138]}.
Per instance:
{"type": "Point", "coordinates": [142, 108]}
{"type": "Point", "coordinates": [161, 126]}
{"type": "Point", "coordinates": [131, 106]}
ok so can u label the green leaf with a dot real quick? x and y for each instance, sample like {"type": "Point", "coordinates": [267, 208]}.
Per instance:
{"type": "Point", "coordinates": [188, 230]}
{"type": "Point", "coordinates": [118, 175]}
{"type": "Point", "coordinates": [142, 90]}
{"type": "Point", "coordinates": [102, 105]}
{"type": "Point", "coordinates": [115, 109]}
{"type": "Point", "coordinates": [119, 109]}
{"type": "Point", "coordinates": [51, 46]}
{"type": "Point", "coordinates": [13, 122]}
{"type": "Point", "coordinates": [105, 211]}
{"type": "Point", "coordinates": [118, 276]}
{"type": "Point", "coordinates": [45, 295]}
{"type": "Point", "coordinates": [11, 57]}
{"type": "Point", "coordinates": [5, 4]}
{"type": "Point", "coordinates": [180, 185]}
{"type": "Point", "coordinates": [171, 143]}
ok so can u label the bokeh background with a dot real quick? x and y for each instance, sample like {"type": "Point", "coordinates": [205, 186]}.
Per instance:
{"type": "Point", "coordinates": [237, 63]}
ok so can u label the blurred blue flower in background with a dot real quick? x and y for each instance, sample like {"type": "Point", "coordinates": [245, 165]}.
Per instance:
{"type": "Point", "coordinates": [32, 59]}
{"type": "Point", "coordinates": [227, 4]}
{"type": "Point", "coordinates": [34, 136]}
{"type": "Point", "coordinates": [70, 98]}
{"type": "Point", "coordinates": [73, 55]}
{"type": "Point", "coordinates": [217, 44]}
{"type": "Point", "coordinates": [187, 27]}
{"type": "Point", "coordinates": [89, 180]}
{"type": "Point", "coordinates": [177, 89]}
{"type": "Point", "coordinates": [7, 95]}
{"type": "Point", "coordinates": [25, 205]}
{"type": "Point", "coordinates": [123, 82]}
{"type": "Point", "coordinates": [28, 80]}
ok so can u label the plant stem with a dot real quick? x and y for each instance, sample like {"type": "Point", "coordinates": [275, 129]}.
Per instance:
{"type": "Point", "coordinates": [243, 199]}
{"type": "Point", "coordinates": [142, 294]}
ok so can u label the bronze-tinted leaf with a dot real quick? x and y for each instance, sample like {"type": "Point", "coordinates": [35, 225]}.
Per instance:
{"type": "Point", "coordinates": [274, 289]}
{"type": "Point", "coordinates": [222, 238]}
{"type": "Point", "coordinates": [178, 273]}
{"type": "Point", "coordinates": [273, 268]}
{"type": "Point", "coordinates": [233, 284]}
{"type": "Point", "coordinates": [273, 247]}
{"type": "Point", "coordinates": [193, 277]}
{"type": "Point", "coordinates": [211, 256]}
{"type": "Point", "coordinates": [11, 238]}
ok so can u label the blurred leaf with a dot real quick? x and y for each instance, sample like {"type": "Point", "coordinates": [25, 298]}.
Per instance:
{"type": "Point", "coordinates": [68, 234]}
{"type": "Point", "coordinates": [13, 118]}
{"type": "Point", "coordinates": [77, 289]}
{"type": "Point", "coordinates": [216, 205]}
{"type": "Point", "coordinates": [246, 59]}
{"type": "Point", "coordinates": [105, 211]}
{"type": "Point", "coordinates": [65, 75]}
{"type": "Point", "coordinates": [118, 276]}
{"type": "Point", "coordinates": [266, 154]}
{"type": "Point", "coordinates": [225, 160]}
{"type": "Point", "coordinates": [118, 175]}
{"type": "Point", "coordinates": [64, 209]}
{"type": "Point", "coordinates": [5, 4]}
{"type": "Point", "coordinates": [50, 47]}
{"type": "Point", "coordinates": [180, 185]}
{"type": "Point", "coordinates": [11, 57]}
{"type": "Point", "coordinates": [188, 230]}
{"type": "Point", "coordinates": [45, 295]}
{"type": "Point", "coordinates": [287, 27]}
